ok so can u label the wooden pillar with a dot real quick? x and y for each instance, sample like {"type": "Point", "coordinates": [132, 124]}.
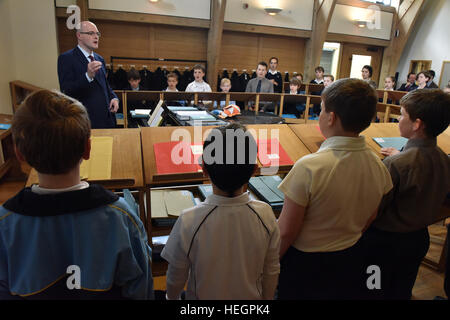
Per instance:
{"type": "Point", "coordinates": [84, 9]}
{"type": "Point", "coordinates": [403, 23]}
{"type": "Point", "coordinates": [215, 40]}
{"type": "Point", "coordinates": [323, 11]}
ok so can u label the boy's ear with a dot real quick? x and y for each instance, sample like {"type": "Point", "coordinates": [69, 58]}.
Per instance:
{"type": "Point", "coordinates": [19, 154]}
{"type": "Point", "coordinates": [332, 118]}
{"type": "Point", "coordinates": [202, 165]}
{"type": "Point", "coordinates": [418, 124]}
{"type": "Point", "coordinates": [87, 150]}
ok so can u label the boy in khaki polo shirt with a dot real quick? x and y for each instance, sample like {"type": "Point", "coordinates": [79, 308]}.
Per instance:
{"type": "Point", "coordinates": [331, 196]}
{"type": "Point", "coordinates": [398, 240]}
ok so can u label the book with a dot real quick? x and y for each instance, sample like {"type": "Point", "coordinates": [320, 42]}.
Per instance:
{"type": "Point", "coordinates": [391, 142]}
{"type": "Point", "coordinates": [180, 108]}
{"type": "Point", "coordinates": [5, 126]}
{"type": "Point", "coordinates": [183, 159]}
{"type": "Point", "coordinates": [266, 188]}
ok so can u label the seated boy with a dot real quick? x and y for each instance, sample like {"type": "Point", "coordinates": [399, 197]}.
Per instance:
{"type": "Point", "coordinates": [226, 247]}
{"type": "Point", "coordinates": [292, 108]}
{"type": "Point", "coordinates": [225, 86]}
{"type": "Point", "coordinates": [398, 239]}
{"type": "Point", "coordinates": [328, 79]}
{"type": "Point", "coordinates": [172, 81]}
{"type": "Point", "coordinates": [63, 222]}
{"type": "Point", "coordinates": [318, 80]}
{"type": "Point", "coordinates": [134, 80]}
{"type": "Point", "coordinates": [261, 84]}
{"type": "Point", "coordinates": [331, 196]}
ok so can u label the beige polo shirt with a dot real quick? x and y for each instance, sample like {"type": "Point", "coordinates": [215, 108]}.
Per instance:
{"type": "Point", "coordinates": [341, 186]}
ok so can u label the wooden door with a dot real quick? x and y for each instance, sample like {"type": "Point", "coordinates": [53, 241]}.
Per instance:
{"type": "Point", "coordinates": [374, 54]}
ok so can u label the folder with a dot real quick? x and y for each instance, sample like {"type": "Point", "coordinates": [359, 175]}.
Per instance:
{"type": "Point", "coordinates": [167, 205]}
{"type": "Point", "coordinates": [392, 142]}
{"type": "Point", "coordinates": [165, 162]}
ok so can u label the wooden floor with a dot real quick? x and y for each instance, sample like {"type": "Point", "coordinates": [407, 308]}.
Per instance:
{"type": "Point", "coordinates": [429, 282]}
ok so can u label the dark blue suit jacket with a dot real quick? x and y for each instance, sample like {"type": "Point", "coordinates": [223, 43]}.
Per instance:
{"type": "Point", "coordinates": [95, 96]}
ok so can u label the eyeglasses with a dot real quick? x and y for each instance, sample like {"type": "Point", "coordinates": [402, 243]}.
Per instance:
{"type": "Point", "coordinates": [91, 33]}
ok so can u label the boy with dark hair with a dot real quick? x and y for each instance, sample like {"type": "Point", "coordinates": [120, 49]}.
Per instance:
{"type": "Point", "coordinates": [227, 247]}
{"type": "Point", "coordinates": [261, 84]}
{"type": "Point", "coordinates": [63, 223]}
{"type": "Point", "coordinates": [274, 75]}
{"type": "Point", "coordinates": [398, 239]}
{"type": "Point", "coordinates": [410, 83]}
{"type": "Point", "coordinates": [366, 73]}
{"type": "Point", "coordinates": [198, 85]}
{"type": "Point", "coordinates": [431, 84]}
{"type": "Point", "coordinates": [292, 108]}
{"type": "Point", "coordinates": [319, 75]}
{"type": "Point", "coordinates": [134, 80]}
{"type": "Point", "coordinates": [331, 196]}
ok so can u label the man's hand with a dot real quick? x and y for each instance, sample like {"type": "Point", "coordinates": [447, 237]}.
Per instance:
{"type": "Point", "coordinates": [114, 105]}
{"type": "Point", "coordinates": [93, 68]}
{"type": "Point", "coordinates": [274, 82]}
{"type": "Point", "coordinates": [389, 151]}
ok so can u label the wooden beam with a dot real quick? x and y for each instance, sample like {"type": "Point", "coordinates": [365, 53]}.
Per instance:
{"type": "Point", "coordinates": [365, 4]}
{"type": "Point", "coordinates": [404, 21]}
{"type": "Point", "coordinates": [140, 18]}
{"type": "Point", "coordinates": [215, 40]}
{"type": "Point", "coordinates": [338, 37]}
{"type": "Point", "coordinates": [84, 9]}
{"type": "Point", "coordinates": [251, 28]}
{"type": "Point", "coordinates": [323, 11]}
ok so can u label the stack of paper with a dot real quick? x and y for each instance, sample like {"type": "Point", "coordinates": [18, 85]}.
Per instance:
{"type": "Point", "coordinates": [168, 204]}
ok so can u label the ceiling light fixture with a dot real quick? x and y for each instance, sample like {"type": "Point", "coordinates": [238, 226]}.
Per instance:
{"type": "Point", "coordinates": [273, 11]}
{"type": "Point", "coordinates": [361, 23]}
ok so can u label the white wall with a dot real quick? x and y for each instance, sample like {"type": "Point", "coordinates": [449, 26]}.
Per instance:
{"type": "Point", "coordinates": [6, 58]}
{"type": "Point", "coordinates": [343, 22]}
{"type": "Point", "coordinates": [429, 39]}
{"type": "Point", "coordinates": [199, 9]}
{"type": "Point", "coordinates": [29, 47]}
{"type": "Point", "coordinates": [296, 14]}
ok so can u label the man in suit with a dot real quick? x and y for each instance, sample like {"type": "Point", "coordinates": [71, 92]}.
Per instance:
{"type": "Point", "coordinates": [261, 84]}
{"type": "Point", "coordinates": [82, 75]}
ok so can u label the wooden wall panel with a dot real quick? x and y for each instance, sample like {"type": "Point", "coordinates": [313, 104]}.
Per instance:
{"type": "Point", "coordinates": [142, 41]}
{"type": "Point", "coordinates": [239, 50]}
{"type": "Point", "coordinates": [245, 50]}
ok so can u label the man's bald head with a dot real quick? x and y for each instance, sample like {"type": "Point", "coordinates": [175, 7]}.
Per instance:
{"type": "Point", "coordinates": [86, 26]}
{"type": "Point", "coordinates": [88, 36]}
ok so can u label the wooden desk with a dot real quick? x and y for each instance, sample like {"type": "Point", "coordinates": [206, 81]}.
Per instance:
{"type": "Point", "coordinates": [288, 140]}
{"type": "Point", "coordinates": [294, 147]}
{"type": "Point", "coordinates": [126, 167]}
{"type": "Point", "coordinates": [310, 135]}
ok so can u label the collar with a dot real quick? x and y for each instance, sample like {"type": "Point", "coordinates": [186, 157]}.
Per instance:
{"type": "Point", "coordinates": [318, 81]}
{"type": "Point", "coordinates": [420, 143]}
{"type": "Point", "coordinates": [216, 200]}
{"type": "Point", "coordinates": [86, 54]}
{"type": "Point", "coordinates": [137, 89]}
{"type": "Point", "coordinates": [39, 190]}
{"type": "Point", "coordinates": [273, 72]}
{"type": "Point", "coordinates": [28, 203]}
{"type": "Point", "coordinates": [343, 143]}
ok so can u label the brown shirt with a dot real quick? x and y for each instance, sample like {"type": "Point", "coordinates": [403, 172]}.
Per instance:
{"type": "Point", "coordinates": [421, 178]}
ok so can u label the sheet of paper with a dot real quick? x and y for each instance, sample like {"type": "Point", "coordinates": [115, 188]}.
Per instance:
{"type": "Point", "coordinates": [143, 111]}
{"type": "Point", "coordinates": [99, 165]}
